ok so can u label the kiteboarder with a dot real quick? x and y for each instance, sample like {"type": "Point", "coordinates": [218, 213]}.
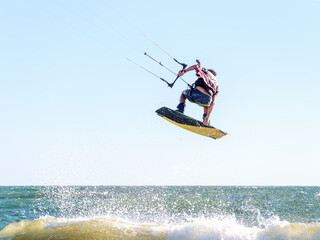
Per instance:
{"type": "Point", "coordinates": [203, 92]}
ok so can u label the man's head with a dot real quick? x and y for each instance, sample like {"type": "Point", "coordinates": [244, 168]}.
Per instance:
{"type": "Point", "coordinates": [213, 72]}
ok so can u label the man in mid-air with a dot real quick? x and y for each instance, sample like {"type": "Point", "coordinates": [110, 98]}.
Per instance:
{"type": "Point", "coordinates": [203, 92]}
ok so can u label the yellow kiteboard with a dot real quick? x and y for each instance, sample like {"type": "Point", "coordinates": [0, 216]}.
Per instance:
{"type": "Point", "coordinates": [189, 123]}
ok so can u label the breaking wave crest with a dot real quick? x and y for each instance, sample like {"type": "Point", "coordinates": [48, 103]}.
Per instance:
{"type": "Point", "coordinates": [102, 227]}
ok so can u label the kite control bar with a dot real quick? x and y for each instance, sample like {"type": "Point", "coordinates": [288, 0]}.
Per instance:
{"type": "Point", "coordinates": [183, 67]}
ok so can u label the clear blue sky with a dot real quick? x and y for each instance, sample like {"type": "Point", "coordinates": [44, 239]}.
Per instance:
{"type": "Point", "coordinates": [75, 111]}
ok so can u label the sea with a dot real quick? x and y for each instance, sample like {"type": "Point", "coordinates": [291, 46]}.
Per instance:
{"type": "Point", "coordinates": [159, 212]}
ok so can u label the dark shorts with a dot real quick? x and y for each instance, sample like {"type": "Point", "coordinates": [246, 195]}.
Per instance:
{"type": "Point", "coordinates": [195, 96]}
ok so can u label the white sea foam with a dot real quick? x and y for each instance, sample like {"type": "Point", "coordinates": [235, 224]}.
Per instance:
{"type": "Point", "coordinates": [218, 228]}
{"type": "Point", "coordinates": [204, 229]}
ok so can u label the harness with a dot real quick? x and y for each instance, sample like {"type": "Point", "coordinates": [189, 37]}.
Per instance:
{"type": "Point", "coordinates": [207, 80]}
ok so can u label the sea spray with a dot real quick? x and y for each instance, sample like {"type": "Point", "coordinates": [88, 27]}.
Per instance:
{"type": "Point", "coordinates": [111, 212]}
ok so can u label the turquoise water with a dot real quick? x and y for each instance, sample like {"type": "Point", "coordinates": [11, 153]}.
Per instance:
{"type": "Point", "coordinates": [198, 212]}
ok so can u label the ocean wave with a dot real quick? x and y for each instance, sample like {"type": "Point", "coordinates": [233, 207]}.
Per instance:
{"type": "Point", "coordinates": [102, 227]}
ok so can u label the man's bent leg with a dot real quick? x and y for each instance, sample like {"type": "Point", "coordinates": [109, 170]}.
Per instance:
{"type": "Point", "coordinates": [183, 97]}
{"type": "Point", "coordinates": [182, 102]}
